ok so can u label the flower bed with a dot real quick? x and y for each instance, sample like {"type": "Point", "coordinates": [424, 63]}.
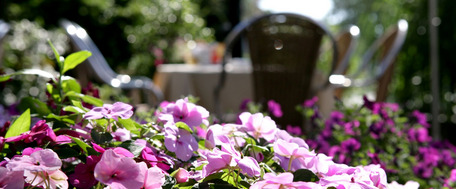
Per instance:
{"type": "Point", "coordinates": [78, 141]}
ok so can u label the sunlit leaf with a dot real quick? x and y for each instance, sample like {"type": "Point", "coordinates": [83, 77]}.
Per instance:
{"type": "Point", "coordinates": [182, 125]}
{"type": "Point", "coordinates": [130, 125]}
{"type": "Point", "coordinates": [20, 125]}
{"type": "Point", "coordinates": [74, 59]}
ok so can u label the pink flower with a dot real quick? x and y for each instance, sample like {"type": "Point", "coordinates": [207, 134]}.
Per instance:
{"type": "Point", "coordinates": [114, 111]}
{"type": "Point", "coordinates": [182, 175]}
{"type": "Point", "coordinates": [153, 177]}
{"type": "Point", "coordinates": [249, 166]}
{"type": "Point", "coordinates": [407, 185]}
{"type": "Point", "coordinates": [118, 171]}
{"type": "Point", "coordinates": [259, 126]}
{"type": "Point", "coordinates": [121, 134]}
{"type": "Point", "coordinates": [283, 180]}
{"type": "Point", "coordinates": [217, 160]}
{"type": "Point", "coordinates": [180, 142]}
{"type": "Point", "coordinates": [290, 150]}
{"type": "Point", "coordinates": [11, 179]}
{"type": "Point", "coordinates": [42, 160]}
{"type": "Point", "coordinates": [275, 108]}
{"type": "Point", "coordinates": [186, 112]}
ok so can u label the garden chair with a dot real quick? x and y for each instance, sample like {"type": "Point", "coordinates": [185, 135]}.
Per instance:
{"type": "Point", "coordinates": [284, 50]}
{"type": "Point", "coordinates": [377, 64]}
{"type": "Point", "coordinates": [100, 69]}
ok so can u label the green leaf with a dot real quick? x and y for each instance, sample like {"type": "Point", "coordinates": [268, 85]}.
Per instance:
{"type": "Point", "coordinates": [74, 59]}
{"type": "Point", "coordinates": [20, 125]}
{"type": "Point", "coordinates": [169, 182]}
{"type": "Point", "coordinates": [5, 77]}
{"type": "Point", "coordinates": [86, 98]}
{"type": "Point", "coordinates": [130, 125]}
{"type": "Point", "coordinates": [182, 125]}
{"type": "Point", "coordinates": [85, 147]}
{"type": "Point", "coordinates": [35, 106]}
{"type": "Point", "coordinates": [304, 175]}
{"type": "Point", "coordinates": [74, 109]}
{"type": "Point", "coordinates": [70, 84]}
{"type": "Point", "coordinates": [57, 56]}
{"type": "Point", "coordinates": [132, 147]}
{"type": "Point", "coordinates": [66, 152]}
{"type": "Point", "coordinates": [101, 137]}
{"type": "Point", "coordinates": [65, 118]}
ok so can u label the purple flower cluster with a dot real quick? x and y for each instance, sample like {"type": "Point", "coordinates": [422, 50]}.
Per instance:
{"type": "Point", "coordinates": [375, 133]}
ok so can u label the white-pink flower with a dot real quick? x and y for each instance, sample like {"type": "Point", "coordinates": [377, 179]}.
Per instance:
{"type": "Point", "coordinates": [259, 126]}
{"type": "Point", "coordinates": [51, 179]}
{"type": "Point", "coordinates": [184, 111]}
{"type": "Point", "coordinates": [42, 160]}
{"type": "Point", "coordinates": [114, 111]}
{"type": "Point", "coordinates": [118, 171]}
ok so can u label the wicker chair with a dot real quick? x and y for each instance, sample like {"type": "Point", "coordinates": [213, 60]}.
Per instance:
{"type": "Point", "coordinates": [377, 64]}
{"type": "Point", "coordinates": [284, 50]}
{"type": "Point", "coordinates": [100, 69]}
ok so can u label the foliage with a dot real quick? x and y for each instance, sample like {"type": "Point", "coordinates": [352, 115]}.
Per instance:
{"type": "Point", "coordinates": [75, 140]}
{"type": "Point", "coordinates": [146, 32]}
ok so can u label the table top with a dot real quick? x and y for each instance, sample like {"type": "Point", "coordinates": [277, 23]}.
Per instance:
{"type": "Point", "coordinates": [204, 68]}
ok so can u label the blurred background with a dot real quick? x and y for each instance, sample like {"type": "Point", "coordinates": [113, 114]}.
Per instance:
{"type": "Point", "coordinates": [137, 35]}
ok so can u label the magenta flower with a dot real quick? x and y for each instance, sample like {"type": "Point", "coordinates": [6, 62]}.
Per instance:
{"type": "Point", "coordinates": [180, 142]}
{"type": "Point", "coordinates": [275, 108]}
{"type": "Point", "coordinates": [108, 111]}
{"type": "Point", "coordinates": [117, 171]}
{"type": "Point", "coordinates": [244, 105]}
{"type": "Point", "coordinates": [350, 145]}
{"type": "Point", "coordinates": [294, 130]}
{"type": "Point", "coordinates": [311, 102]}
{"type": "Point", "coordinates": [83, 173]}
{"type": "Point", "coordinates": [259, 126]}
{"type": "Point", "coordinates": [40, 133]}
{"type": "Point", "coordinates": [184, 111]}
{"type": "Point", "coordinates": [418, 135]}
{"type": "Point", "coordinates": [420, 118]}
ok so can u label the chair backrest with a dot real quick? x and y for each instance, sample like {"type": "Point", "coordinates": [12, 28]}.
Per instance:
{"type": "Point", "coordinates": [346, 41]}
{"type": "Point", "coordinates": [283, 49]}
{"type": "Point", "coordinates": [100, 66]}
{"type": "Point", "coordinates": [377, 62]}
